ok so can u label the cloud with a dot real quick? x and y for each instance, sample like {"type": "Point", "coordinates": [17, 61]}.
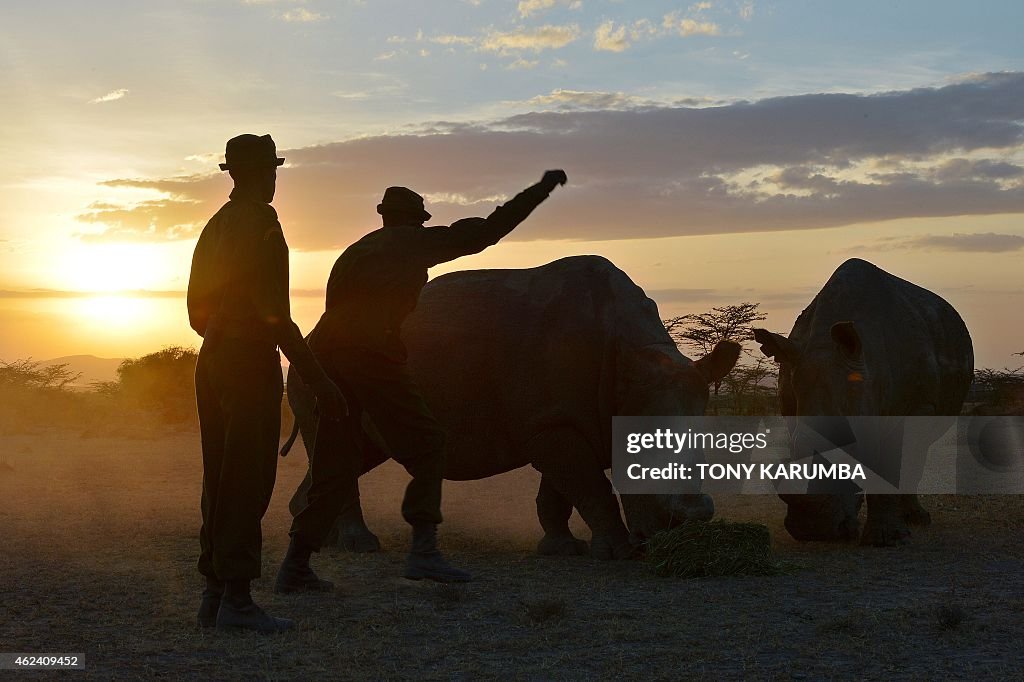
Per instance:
{"type": "Point", "coordinates": [609, 38]}
{"type": "Point", "coordinates": [522, 63]}
{"type": "Point", "coordinates": [642, 171]}
{"type": "Point", "coordinates": [796, 296]}
{"type": "Point", "coordinates": [111, 96]}
{"type": "Point", "coordinates": [529, 7]}
{"type": "Point", "coordinates": [983, 169]}
{"type": "Point", "coordinates": [987, 242]}
{"type": "Point", "coordinates": [179, 210]}
{"type": "Point", "coordinates": [302, 15]}
{"type": "Point", "coordinates": [686, 26]}
{"type": "Point", "coordinates": [60, 293]}
{"type": "Point", "coordinates": [453, 40]}
{"type": "Point", "coordinates": [981, 242]}
{"type": "Point", "coordinates": [566, 100]}
{"type": "Point", "coordinates": [513, 43]}
{"type": "Point", "coordinates": [547, 37]}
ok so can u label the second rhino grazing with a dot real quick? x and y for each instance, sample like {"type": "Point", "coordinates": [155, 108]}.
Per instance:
{"type": "Point", "coordinates": [869, 344]}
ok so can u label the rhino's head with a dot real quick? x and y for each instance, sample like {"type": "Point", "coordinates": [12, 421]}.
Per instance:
{"type": "Point", "coordinates": [647, 515]}
{"type": "Point", "coordinates": [658, 380]}
{"type": "Point", "coordinates": [666, 383]}
{"type": "Point", "coordinates": [824, 377]}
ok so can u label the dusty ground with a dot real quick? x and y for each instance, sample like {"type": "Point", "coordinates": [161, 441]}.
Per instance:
{"type": "Point", "coordinates": [99, 546]}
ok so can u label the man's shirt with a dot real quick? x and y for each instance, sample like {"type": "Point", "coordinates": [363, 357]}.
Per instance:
{"type": "Point", "coordinates": [239, 277]}
{"type": "Point", "coordinates": [376, 282]}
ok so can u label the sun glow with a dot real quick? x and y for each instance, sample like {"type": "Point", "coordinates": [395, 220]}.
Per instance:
{"type": "Point", "coordinates": [114, 313]}
{"type": "Point", "coordinates": [122, 267]}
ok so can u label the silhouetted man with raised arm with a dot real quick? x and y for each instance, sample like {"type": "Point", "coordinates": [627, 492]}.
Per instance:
{"type": "Point", "coordinates": [373, 287]}
{"type": "Point", "coordinates": [238, 303]}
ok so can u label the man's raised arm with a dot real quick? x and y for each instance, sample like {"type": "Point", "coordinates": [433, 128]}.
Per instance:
{"type": "Point", "coordinates": [473, 235]}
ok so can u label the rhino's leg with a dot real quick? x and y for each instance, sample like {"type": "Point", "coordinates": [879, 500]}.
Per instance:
{"type": "Point", "coordinates": [554, 510]}
{"type": "Point", "coordinates": [565, 459]}
{"type": "Point", "coordinates": [885, 526]}
{"type": "Point", "coordinates": [915, 446]}
{"type": "Point", "coordinates": [913, 513]}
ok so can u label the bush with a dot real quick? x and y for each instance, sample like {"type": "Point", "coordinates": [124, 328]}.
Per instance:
{"type": "Point", "coordinates": [34, 396]}
{"type": "Point", "coordinates": [28, 375]}
{"type": "Point", "coordinates": [162, 382]}
{"type": "Point", "coordinates": [157, 389]}
{"type": "Point", "coordinates": [998, 391]}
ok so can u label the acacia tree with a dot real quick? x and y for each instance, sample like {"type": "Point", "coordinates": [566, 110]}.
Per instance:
{"type": "Point", "coordinates": [29, 374]}
{"type": "Point", "coordinates": [701, 332]}
{"type": "Point", "coordinates": [750, 387]}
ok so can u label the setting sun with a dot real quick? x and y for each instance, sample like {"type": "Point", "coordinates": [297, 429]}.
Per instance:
{"type": "Point", "coordinates": [119, 267]}
{"type": "Point", "coordinates": [113, 313]}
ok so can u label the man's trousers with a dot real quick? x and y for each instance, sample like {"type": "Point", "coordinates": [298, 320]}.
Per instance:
{"type": "Point", "coordinates": [385, 390]}
{"type": "Point", "coordinates": [238, 393]}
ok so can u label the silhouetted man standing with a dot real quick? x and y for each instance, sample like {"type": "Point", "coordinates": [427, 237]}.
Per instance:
{"type": "Point", "coordinates": [238, 303]}
{"type": "Point", "coordinates": [373, 287]}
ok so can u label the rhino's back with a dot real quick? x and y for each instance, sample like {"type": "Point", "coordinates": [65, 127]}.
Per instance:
{"type": "Point", "coordinates": [502, 355]}
{"type": "Point", "coordinates": [915, 343]}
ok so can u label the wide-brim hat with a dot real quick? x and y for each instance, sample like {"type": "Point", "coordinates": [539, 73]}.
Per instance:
{"type": "Point", "coordinates": [250, 151]}
{"type": "Point", "coordinates": [402, 200]}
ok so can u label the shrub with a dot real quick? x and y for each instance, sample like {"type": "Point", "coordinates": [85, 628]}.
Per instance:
{"type": "Point", "coordinates": [161, 382]}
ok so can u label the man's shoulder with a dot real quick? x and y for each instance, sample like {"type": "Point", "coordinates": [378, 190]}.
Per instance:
{"type": "Point", "coordinates": [383, 242]}
{"type": "Point", "coordinates": [376, 239]}
{"type": "Point", "coordinates": [256, 211]}
{"type": "Point", "coordinates": [251, 221]}
{"type": "Point", "coordinates": [467, 222]}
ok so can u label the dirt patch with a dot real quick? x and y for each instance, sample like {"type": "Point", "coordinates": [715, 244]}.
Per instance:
{"type": "Point", "coordinates": [100, 547]}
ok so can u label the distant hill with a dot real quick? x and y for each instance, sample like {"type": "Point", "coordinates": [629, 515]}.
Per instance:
{"type": "Point", "coordinates": [93, 369]}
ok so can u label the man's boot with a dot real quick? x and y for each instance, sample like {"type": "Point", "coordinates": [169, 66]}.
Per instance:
{"type": "Point", "coordinates": [210, 604]}
{"type": "Point", "coordinates": [239, 612]}
{"type": "Point", "coordinates": [425, 561]}
{"type": "Point", "coordinates": [295, 574]}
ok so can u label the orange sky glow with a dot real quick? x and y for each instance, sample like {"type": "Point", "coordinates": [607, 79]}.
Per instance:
{"type": "Point", "coordinates": [709, 156]}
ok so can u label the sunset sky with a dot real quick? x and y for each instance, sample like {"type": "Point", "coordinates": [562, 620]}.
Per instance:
{"type": "Point", "coordinates": [718, 151]}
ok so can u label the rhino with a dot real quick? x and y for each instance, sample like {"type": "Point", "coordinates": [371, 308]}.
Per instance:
{"type": "Point", "coordinates": [528, 367]}
{"type": "Point", "coordinates": [869, 344]}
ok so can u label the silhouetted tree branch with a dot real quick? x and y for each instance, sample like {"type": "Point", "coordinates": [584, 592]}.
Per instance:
{"type": "Point", "coordinates": [701, 332]}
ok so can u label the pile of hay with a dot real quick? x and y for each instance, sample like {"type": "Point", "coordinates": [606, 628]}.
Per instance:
{"type": "Point", "coordinates": [699, 549]}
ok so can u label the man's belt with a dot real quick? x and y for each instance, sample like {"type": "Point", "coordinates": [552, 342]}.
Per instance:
{"type": "Point", "coordinates": [250, 329]}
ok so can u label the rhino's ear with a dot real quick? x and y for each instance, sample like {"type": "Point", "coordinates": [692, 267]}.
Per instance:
{"type": "Point", "coordinates": [776, 346]}
{"type": "Point", "coordinates": [846, 337]}
{"type": "Point", "coordinates": [719, 361]}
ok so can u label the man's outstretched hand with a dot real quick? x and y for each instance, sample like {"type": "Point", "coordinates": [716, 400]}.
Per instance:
{"type": "Point", "coordinates": [553, 178]}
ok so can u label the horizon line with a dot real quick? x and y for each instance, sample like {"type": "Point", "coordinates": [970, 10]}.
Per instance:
{"type": "Point", "coordinates": [125, 293]}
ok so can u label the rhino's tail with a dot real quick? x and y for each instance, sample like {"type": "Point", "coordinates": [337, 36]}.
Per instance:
{"type": "Point", "coordinates": [287, 447]}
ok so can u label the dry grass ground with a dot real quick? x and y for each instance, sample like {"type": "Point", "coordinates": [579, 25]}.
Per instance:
{"type": "Point", "coordinates": [99, 546]}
